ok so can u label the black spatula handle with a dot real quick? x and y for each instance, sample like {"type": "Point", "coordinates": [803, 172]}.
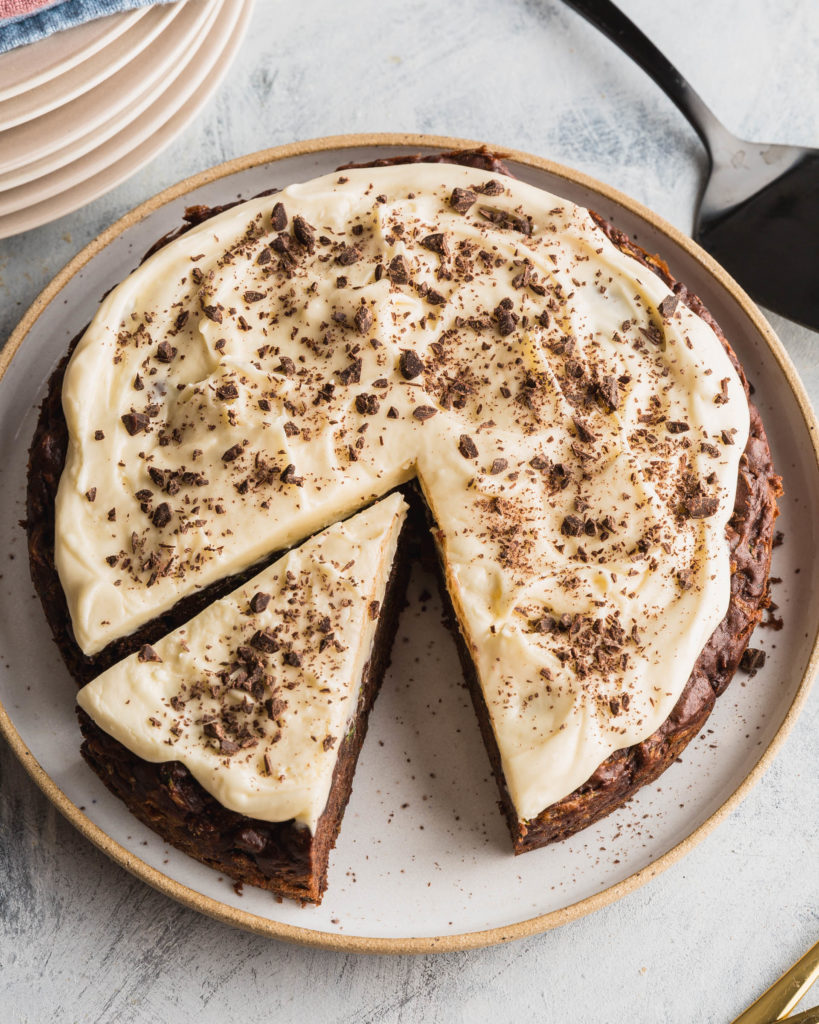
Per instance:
{"type": "Point", "coordinates": [611, 21]}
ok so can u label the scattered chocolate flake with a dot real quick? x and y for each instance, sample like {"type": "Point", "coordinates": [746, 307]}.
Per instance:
{"type": "Point", "coordinates": [436, 242]}
{"type": "Point", "coordinates": [572, 526]}
{"type": "Point", "coordinates": [305, 233]}
{"type": "Point", "coordinates": [685, 578]}
{"type": "Point", "coordinates": [288, 476]}
{"type": "Point", "coordinates": [490, 188]}
{"type": "Point", "coordinates": [91, 493]}
{"type": "Point", "coordinates": [608, 391]}
{"type": "Point", "coordinates": [180, 322]}
{"type": "Point", "coordinates": [292, 658]}
{"type": "Point", "coordinates": [398, 270]}
{"type": "Point", "coordinates": [700, 506]}
{"type": "Point", "coordinates": [134, 423]}
{"type": "Point", "coordinates": [392, 413]}
{"type": "Point", "coordinates": [506, 219]}
{"type": "Point", "coordinates": [505, 317]}
{"type": "Point", "coordinates": [668, 306]}
{"type": "Point", "coordinates": [410, 364]}
{"type": "Point", "coordinates": [278, 217]}
{"type": "Point", "coordinates": [213, 313]}
{"type": "Point", "coordinates": [467, 447]}
{"type": "Point", "coordinates": [162, 515]}
{"type": "Point", "coordinates": [498, 466]}
{"type": "Point", "coordinates": [100, 436]}
{"type": "Point", "coordinates": [727, 437]}
{"type": "Point", "coordinates": [367, 405]}
{"type": "Point", "coordinates": [424, 412]}
{"type": "Point", "coordinates": [286, 366]}
{"type": "Point", "coordinates": [722, 397]}
{"type": "Point", "coordinates": [227, 391]}
{"type": "Point", "coordinates": [328, 742]}
{"type": "Point", "coordinates": [462, 199]}
{"type": "Point", "coordinates": [363, 319]}
{"type": "Point", "coordinates": [351, 374]}
{"type": "Point", "coordinates": [138, 385]}
{"type": "Point", "coordinates": [265, 640]}
{"type": "Point", "coordinates": [165, 352]}
{"type": "Point", "coordinates": [232, 453]}
{"type": "Point", "coordinates": [583, 431]}
{"type": "Point", "coordinates": [259, 602]}
{"type": "Point", "coordinates": [348, 256]}
{"type": "Point", "coordinates": [250, 296]}
{"type": "Point", "coordinates": [374, 609]}
{"type": "Point", "coordinates": [676, 426]}
{"type": "Point", "coordinates": [147, 653]}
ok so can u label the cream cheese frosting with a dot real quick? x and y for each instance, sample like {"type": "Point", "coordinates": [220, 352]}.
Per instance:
{"type": "Point", "coordinates": [575, 430]}
{"type": "Point", "coordinates": [255, 694]}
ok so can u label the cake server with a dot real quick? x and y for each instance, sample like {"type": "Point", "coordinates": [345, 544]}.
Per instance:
{"type": "Point", "coordinates": [758, 212]}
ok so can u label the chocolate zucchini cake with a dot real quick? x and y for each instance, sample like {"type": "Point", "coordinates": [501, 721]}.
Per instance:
{"type": "Point", "coordinates": [569, 424]}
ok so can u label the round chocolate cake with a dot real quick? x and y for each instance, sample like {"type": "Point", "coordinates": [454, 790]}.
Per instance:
{"type": "Point", "coordinates": [219, 541]}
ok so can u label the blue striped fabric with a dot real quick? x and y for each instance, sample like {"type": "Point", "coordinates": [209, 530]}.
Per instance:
{"type": "Point", "coordinates": [66, 14]}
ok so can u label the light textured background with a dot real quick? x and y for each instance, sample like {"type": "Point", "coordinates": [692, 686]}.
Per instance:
{"type": "Point", "coordinates": [80, 940]}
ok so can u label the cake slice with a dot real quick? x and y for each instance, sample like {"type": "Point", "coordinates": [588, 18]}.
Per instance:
{"type": "Point", "coordinates": [246, 721]}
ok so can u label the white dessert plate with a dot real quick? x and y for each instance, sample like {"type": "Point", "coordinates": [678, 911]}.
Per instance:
{"type": "Point", "coordinates": [157, 126]}
{"type": "Point", "coordinates": [139, 82]}
{"type": "Point", "coordinates": [188, 75]}
{"type": "Point", "coordinates": [423, 861]}
{"type": "Point", "coordinates": [82, 77]}
{"type": "Point", "coordinates": [27, 67]}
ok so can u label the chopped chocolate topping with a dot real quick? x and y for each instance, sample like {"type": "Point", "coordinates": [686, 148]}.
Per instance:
{"type": "Point", "coordinates": [676, 426]}
{"type": "Point", "coordinates": [328, 742]}
{"type": "Point", "coordinates": [265, 640]}
{"type": "Point", "coordinates": [232, 453]}
{"type": "Point", "coordinates": [498, 466]}
{"type": "Point", "coordinates": [436, 242]}
{"type": "Point", "coordinates": [367, 405]}
{"type": "Point", "coordinates": [608, 392]}
{"type": "Point", "coordinates": [227, 391]}
{"type": "Point", "coordinates": [147, 653]}
{"type": "Point", "coordinates": [259, 602]}
{"type": "Point", "coordinates": [410, 365]}
{"type": "Point", "coordinates": [213, 313]}
{"type": "Point", "coordinates": [251, 296]}
{"type": "Point", "coordinates": [700, 506]}
{"type": "Point", "coordinates": [278, 218]}
{"type": "Point", "coordinates": [305, 233]}
{"type": "Point", "coordinates": [286, 366]}
{"type": "Point", "coordinates": [350, 374]}
{"type": "Point", "coordinates": [348, 255]}
{"type": "Point", "coordinates": [462, 199]}
{"type": "Point", "coordinates": [292, 658]}
{"type": "Point", "coordinates": [288, 476]}
{"type": "Point", "coordinates": [506, 219]}
{"type": "Point", "coordinates": [424, 412]}
{"type": "Point", "coordinates": [373, 609]}
{"type": "Point", "coordinates": [165, 352]}
{"type": "Point", "coordinates": [668, 306]}
{"type": "Point", "coordinates": [134, 423]}
{"type": "Point", "coordinates": [363, 319]}
{"type": "Point", "coordinates": [398, 270]}
{"type": "Point", "coordinates": [162, 515]}
{"type": "Point", "coordinates": [467, 447]}
{"type": "Point", "coordinates": [572, 526]}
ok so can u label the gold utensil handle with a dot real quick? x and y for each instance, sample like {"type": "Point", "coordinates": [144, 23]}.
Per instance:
{"type": "Point", "coordinates": [783, 995]}
{"type": "Point", "coordinates": [806, 1017]}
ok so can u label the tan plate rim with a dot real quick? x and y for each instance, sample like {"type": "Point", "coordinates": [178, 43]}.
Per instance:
{"type": "Point", "coordinates": [426, 944]}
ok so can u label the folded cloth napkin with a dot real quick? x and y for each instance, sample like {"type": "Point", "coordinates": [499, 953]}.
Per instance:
{"type": "Point", "coordinates": [26, 21]}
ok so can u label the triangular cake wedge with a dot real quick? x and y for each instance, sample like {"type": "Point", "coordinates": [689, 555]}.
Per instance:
{"type": "Point", "coordinates": [251, 715]}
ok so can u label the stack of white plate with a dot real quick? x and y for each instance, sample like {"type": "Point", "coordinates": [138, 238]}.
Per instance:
{"type": "Point", "coordinates": [83, 109]}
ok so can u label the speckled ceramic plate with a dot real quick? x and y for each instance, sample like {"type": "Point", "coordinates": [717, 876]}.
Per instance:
{"type": "Point", "coordinates": [424, 860]}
